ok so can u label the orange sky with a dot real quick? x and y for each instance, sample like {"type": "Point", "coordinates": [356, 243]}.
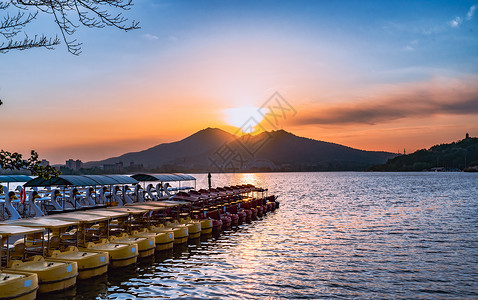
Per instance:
{"type": "Point", "coordinates": [368, 83]}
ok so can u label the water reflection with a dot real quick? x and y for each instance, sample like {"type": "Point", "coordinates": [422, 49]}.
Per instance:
{"type": "Point", "coordinates": [248, 178]}
{"type": "Point", "coordinates": [336, 235]}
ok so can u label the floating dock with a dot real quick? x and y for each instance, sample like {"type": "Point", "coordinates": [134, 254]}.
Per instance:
{"type": "Point", "coordinates": [105, 231]}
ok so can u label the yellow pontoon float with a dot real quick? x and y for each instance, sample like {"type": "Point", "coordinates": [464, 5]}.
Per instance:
{"type": "Point", "coordinates": [95, 239]}
{"type": "Point", "coordinates": [184, 217]}
{"type": "Point", "coordinates": [140, 227]}
{"type": "Point", "coordinates": [118, 224]}
{"type": "Point", "coordinates": [28, 256]}
{"type": "Point", "coordinates": [18, 285]}
{"type": "Point", "coordinates": [156, 222]}
{"type": "Point", "coordinates": [63, 246]}
{"type": "Point", "coordinates": [161, 221]}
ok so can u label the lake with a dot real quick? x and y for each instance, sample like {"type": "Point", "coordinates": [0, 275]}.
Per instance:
{"type": "Point", "coordinates": [336, 236]}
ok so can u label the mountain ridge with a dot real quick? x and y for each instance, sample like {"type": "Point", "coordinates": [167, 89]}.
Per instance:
{"type": "Point", "coordinates": [213, 149]}
{"type": "Point", "coordinates": [151, 154]}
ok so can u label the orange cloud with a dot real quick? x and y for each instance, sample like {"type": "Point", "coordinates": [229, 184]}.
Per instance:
{"type": "Point", "coordinates": [437, 97]}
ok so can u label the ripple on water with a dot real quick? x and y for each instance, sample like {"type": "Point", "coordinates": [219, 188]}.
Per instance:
{"type": "Point", "coordinates": [336, 235]}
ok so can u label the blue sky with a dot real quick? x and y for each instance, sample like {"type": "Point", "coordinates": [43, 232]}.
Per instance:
{"type": "Point", "coordinates": [194, 60]}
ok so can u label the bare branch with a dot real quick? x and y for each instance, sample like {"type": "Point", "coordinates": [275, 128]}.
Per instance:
{"type": "Point", "coordinates": [4, 5]}
{"type": "Point", "coordinates": [27, 43]}
{"type": "Point", "coordinates": [68, 16]}
{"type": "Point", "coordinates": [12, 25]}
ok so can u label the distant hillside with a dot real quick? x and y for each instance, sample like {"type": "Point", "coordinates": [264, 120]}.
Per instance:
{"type": "Point", "coordinates": [162, 154]}
{"type": "Point", "coordinates": [290, 152]}
{"type": "Point", "coordinates": [215, 150]}
{"type": "Point", "coordinates": [454, 156]}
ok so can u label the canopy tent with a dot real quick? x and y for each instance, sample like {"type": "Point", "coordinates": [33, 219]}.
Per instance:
{"type": "Point", "coordinates": [14, 178]}
{"type": "Point", "coordinates": [185, 176]}
{"type": "Point", "coordinates": [81, 180]}
{"type": "Point", "coordinates": [163, 177]}
{"type": "Point", "coordinates": [112, 179]}
{"type": "Point", "coordinates": [167, 178]}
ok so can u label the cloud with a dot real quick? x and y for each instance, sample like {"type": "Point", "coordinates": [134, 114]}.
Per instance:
{"type": "Point", "coordinates": [439, 97]}
{"type": "Point", "coordinates": [471, 12]}
{"type": "Point", "coordinates": [410, 46]}
{"type": "Point", "coordinates": [455, 22]}
{"type": "Point", "coordinates": [150, 37]}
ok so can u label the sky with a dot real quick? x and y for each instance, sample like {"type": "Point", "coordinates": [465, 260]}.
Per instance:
{"type": "Point", "coordinates": [373, 75]}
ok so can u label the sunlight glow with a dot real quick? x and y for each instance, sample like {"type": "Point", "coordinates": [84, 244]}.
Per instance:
{"type": "Point", "coordinates": [244, 117]}
{"type": "Point", "coordinates": [251, 178]}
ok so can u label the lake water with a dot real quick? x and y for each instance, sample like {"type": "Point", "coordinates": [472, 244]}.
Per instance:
{"type": "Point", "coordinates": [336, 235]}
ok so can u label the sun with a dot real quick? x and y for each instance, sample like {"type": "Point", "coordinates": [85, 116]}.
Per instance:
{"type": "Point", "coordinates": [246, 118]}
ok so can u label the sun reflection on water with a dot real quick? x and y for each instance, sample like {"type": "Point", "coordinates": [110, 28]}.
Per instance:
{"type": "Point", "coordinates": [248, 178]}
{"type": "Point", "coordinates": [336, 235]}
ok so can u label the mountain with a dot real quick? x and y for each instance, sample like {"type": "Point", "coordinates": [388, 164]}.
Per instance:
{"type": "Point", "coordinates": [459, 155]}
{"type": "Point", "coordinates": [213, 149]}
{"type": "Point", "coordinates": [161, 154]}
{"type": "Point", "coordinates": [288, 150]}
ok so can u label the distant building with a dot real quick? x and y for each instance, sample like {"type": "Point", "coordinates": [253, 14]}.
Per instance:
{"type": "Point", "coordinates": [75, 165]}
{"type": "Point", "coordinates": [44, 162]}
{"type": "Point", "coordinates": [116, 167]}
{"type": "Point", "coordinates": [70, 164]}
{"type": "Point", "coordinates": [78, 164]}
{"type": "Point", "coordinates": [467, 136]}
{"type": "Point", "coordinates": [134, 166]}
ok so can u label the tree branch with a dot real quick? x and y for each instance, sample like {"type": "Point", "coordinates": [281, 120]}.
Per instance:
{"type": "Point", "coordinates": [15, 161]}
{"type": "Point", "coordinates": [89, 13]}
{"type": "Point", "coordinates": [27, 43]}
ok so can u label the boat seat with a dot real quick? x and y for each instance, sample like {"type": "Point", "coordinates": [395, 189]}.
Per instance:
{"type": "Point", "coordinates": [116, 231]}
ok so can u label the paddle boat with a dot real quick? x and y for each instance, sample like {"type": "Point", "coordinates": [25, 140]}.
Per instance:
{"type": "Point", "coordinates": [182, 213]}
{"type": "Point", "coordinates": [18, 285]}
{"type": "Point", "coordinates": [127, 194]}
{"type": "Point", "coordinates": [197, 206]}
{"type": "Point", "coordinates": [138, 194]}
{"type": "Point", "coordinates": [140, 227]}
{"type": "Point", "coordinates": [237, 217]}
{"type": "Point", "coordinates": [157, 217]}
{"type": "Point", "coordinates": [229, 205]}
{"type": "Point", "coordinates": [119, 227]}
{"type": "Point", "coordinates": [28, 255]}
{"type": "Point", "coordinates": [201, 207]}
{"type": "Point", "coordinates": [269, 203]}
{"type": "Point", "coordinates": [9, 199]}
{"type": "Point", "coordinates": [61, 245]}
{"type": "Point", "coordinates": [93, 238]}
{"type": "Point", "coordinates": [82, 192]}
{"type": "Point", "coordinates": [164, 217]}
{"type": "Point", "coordinates": [163, 188]}
{"type": "Point", "coordinates": [32, 201]}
